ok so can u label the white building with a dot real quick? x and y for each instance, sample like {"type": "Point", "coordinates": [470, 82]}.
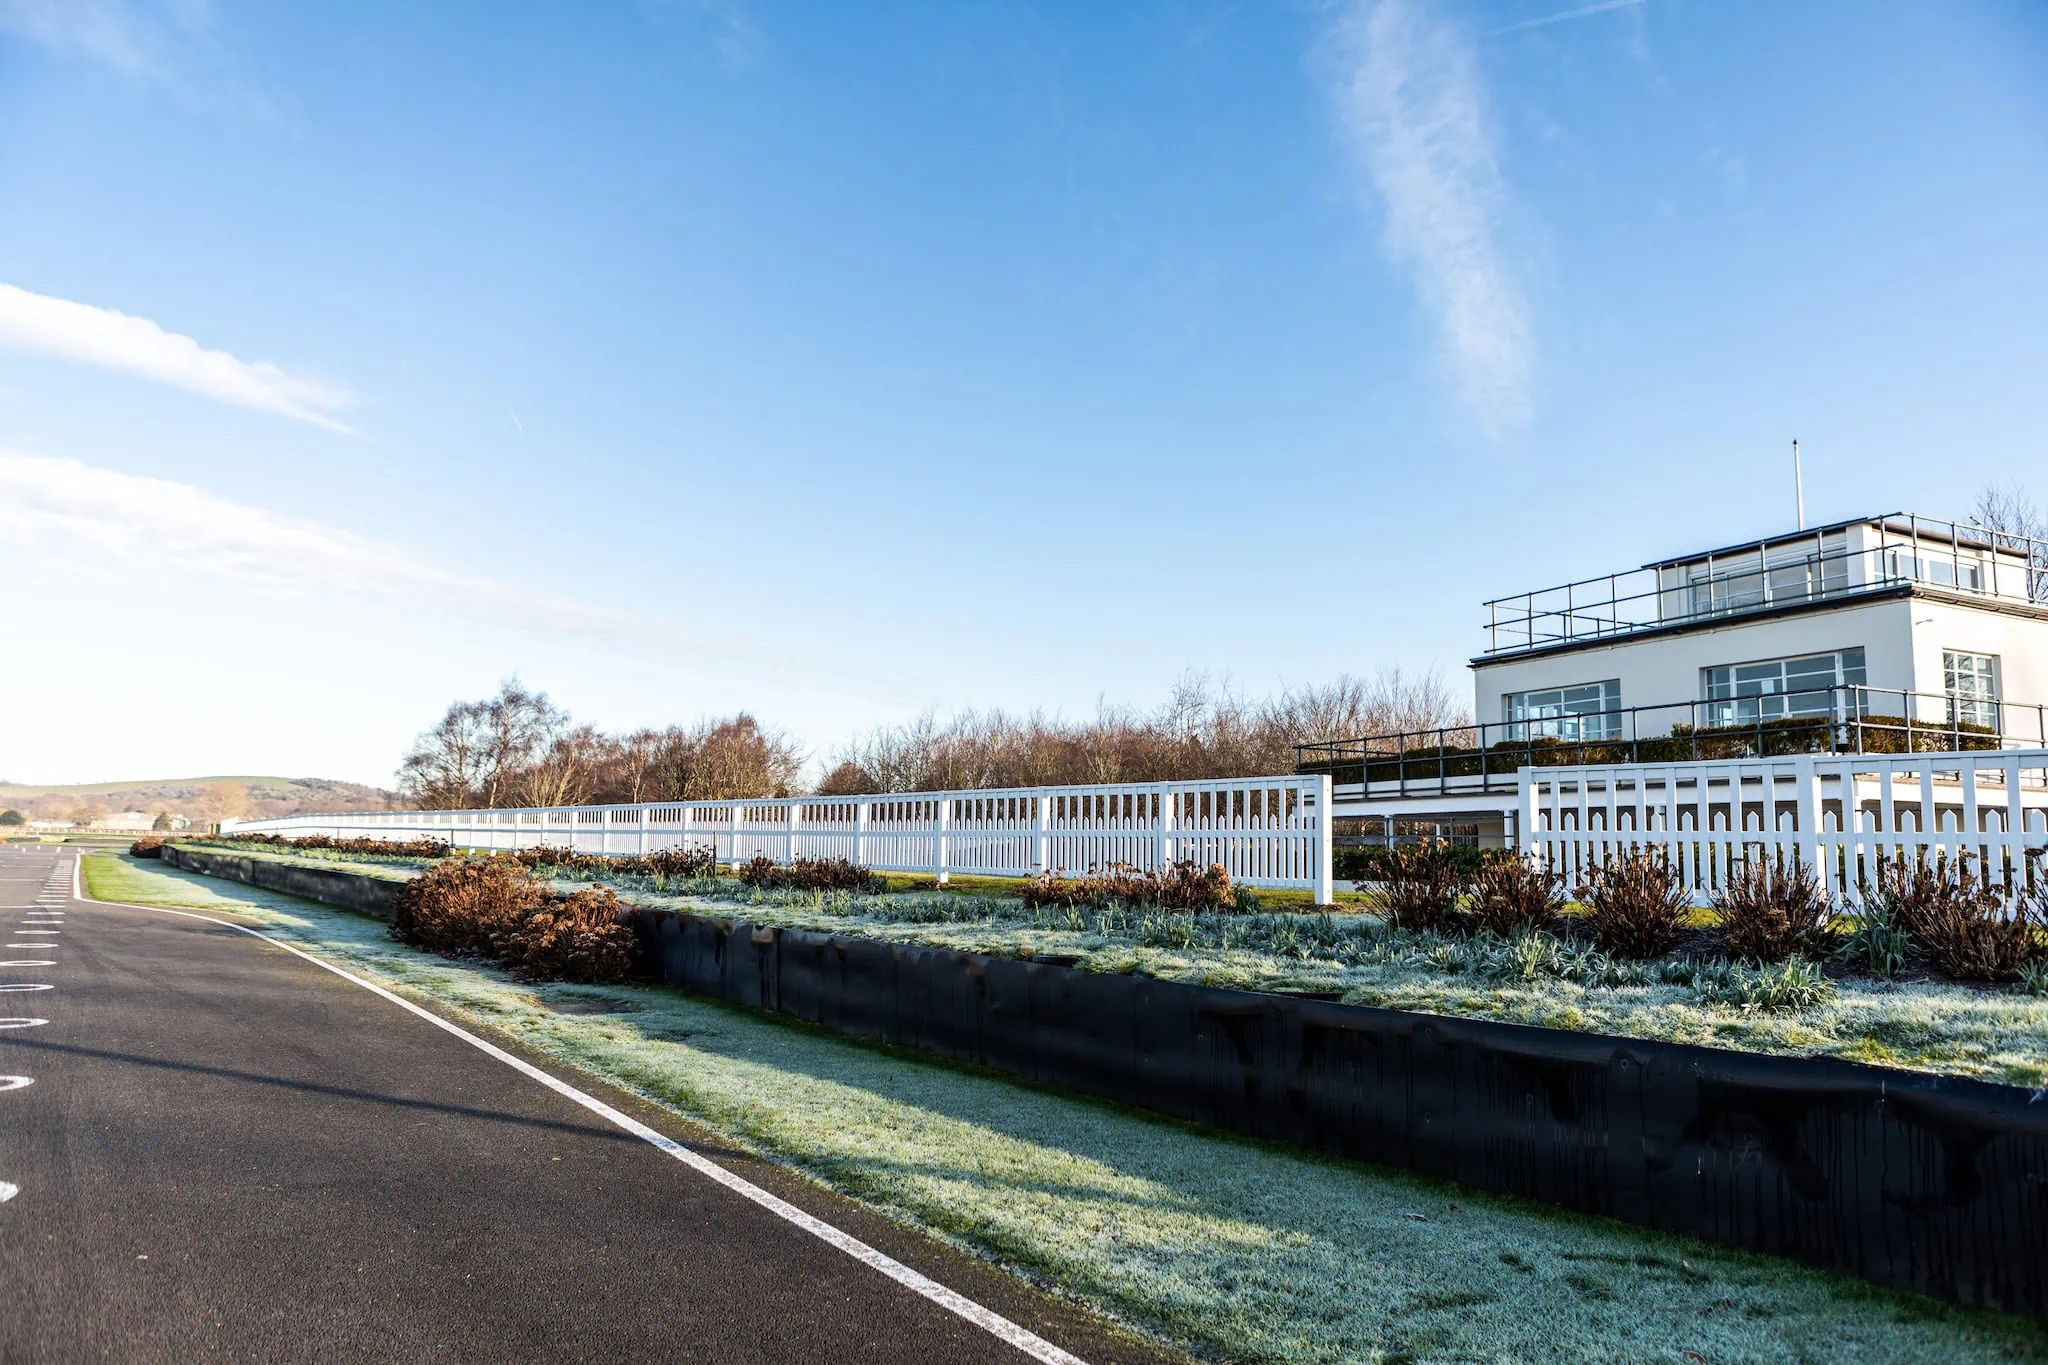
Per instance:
{"type": "Point", "coordinates": [1887, 634]}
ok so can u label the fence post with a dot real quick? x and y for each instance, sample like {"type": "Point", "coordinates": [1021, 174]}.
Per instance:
{"type": "Point", "coordinates": [1042, 842]}
{"type": "Point", "coordinates": [643, 831]}
{"type": "Point", "coordinates": [796, 816]}
{"type": "Point", "coordinates": [1162, 829]}
{"type": "Point", "coordinates": [1326, 833]}
{"type": "Point", "coordinates": [860, 833]}
{"type": "Point", "coordinates": [945, 819]}
{"type": "Point", "coordinates": [1809, 843]}
{"type": "Point", "coordinates": [1525, 822]}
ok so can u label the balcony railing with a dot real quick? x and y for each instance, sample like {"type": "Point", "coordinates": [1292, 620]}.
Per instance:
{"type": "Point", "coordinates": [1842, 719]}
{"type": "Point", "coordinates": [1913, 550]}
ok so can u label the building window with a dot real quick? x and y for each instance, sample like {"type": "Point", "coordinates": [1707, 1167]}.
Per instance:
{"type": "Point", "coordinates": [1971, 681]}
{"type": "Point", "coordinates": [1589, 711]}
{"type": "Point", "coordinates": [1942, 570]}
{"type": "Point", "coordinates": [1774, 689]}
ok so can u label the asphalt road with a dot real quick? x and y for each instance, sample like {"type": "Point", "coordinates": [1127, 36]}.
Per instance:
{"type": "Point", "coordinates": [220, 1151]}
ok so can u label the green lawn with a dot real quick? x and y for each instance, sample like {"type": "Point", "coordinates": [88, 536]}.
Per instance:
{"type": "Point", "coordinates": [1235, 1249]}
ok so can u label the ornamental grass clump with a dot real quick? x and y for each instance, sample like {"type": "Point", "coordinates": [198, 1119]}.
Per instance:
{"type": "Point", "coordinates": [465, 907]}
{"type": "Point", "coordinates": [1420, 886]}
{"type": "Point", "coordinates": [1636, 904]}
{"type": "Point", "coordinates": [1512, 894]}
{"type": "Point", "coordinates": [579, 937]}
{"type": "Point", "coordinates": [1771, 911]}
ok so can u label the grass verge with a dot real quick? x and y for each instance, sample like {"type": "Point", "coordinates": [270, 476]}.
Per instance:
{"type": "Point", "coordinates": [1234, 1249]}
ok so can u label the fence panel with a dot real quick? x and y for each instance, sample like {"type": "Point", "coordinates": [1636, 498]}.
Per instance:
{"type": "Point", "coordinates": [1842, 814]}
{"type": "Point", "coordinates": [1265, 831]}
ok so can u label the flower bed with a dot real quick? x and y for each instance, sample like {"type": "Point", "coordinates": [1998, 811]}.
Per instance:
{"type": "Point", "coordinates": [1550, 976]}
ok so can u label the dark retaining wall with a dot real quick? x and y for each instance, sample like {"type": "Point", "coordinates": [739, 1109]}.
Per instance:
{"type": "Point", "coordinates": [330, 886]}
{"type": "Point", "coordinates": [1924, 1182]}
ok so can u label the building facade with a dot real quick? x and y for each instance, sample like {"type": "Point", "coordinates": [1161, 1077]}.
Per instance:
{"type": "Point", "coordinates": [1892, 634]}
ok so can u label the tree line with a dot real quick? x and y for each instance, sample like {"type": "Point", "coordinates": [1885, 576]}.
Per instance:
{"type": "Point", "coordinates": [518, 748]}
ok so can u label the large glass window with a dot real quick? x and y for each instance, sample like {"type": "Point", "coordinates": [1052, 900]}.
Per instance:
{"type": "Point", "coordinates": [1773, 689]}
{"type": "Point", "coordinates": [1943, 570]}
{"type": "Point", "coordinates": [1588, 711]}
{"type": "Point", "coordinates": [1971, 681]}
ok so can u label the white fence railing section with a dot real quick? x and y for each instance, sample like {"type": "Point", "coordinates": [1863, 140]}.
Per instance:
{"type": "Point", "coordinates": [1844, 815]}
{"type": "Point", "coordinates": [1265, 831]}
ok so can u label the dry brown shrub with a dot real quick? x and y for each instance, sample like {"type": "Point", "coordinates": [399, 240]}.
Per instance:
{"type": "Point", "coordinates": [811, 874]}
{"type": "Point", "coordinates": [1970, 930]}
{"type": "Point", "coordinates": [1770, 912]}
{"type": "Point", "coordinates": [580, 937]}
{"type": "Point", "coordinates": [1636, 904]}
{"type": "Point", "coordinates": [1512, 893]}
{"type": "Point", "coordinates": [148, 846]}
{"type": "Point", "coordinates": [1420, 886]}
{"type": "Point", "coordinates": [1185, 885]}
{"type": "Point", "coordinates": [464, 907]}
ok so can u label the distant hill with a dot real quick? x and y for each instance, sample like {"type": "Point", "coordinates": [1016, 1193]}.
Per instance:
{"type": "Point", "coordinates": [194, 797]}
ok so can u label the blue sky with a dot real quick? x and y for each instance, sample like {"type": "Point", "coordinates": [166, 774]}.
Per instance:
{"type": "Point", "coordinates": [840, 361]}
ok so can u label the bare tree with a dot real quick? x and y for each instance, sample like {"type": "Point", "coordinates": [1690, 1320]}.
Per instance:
{"type": "Point", "coordinates": [2016, 524]}
{"type": "Point", "coordinates": [477, 754]}
{"type": "Point", "coordinates": [1203, 729]}
{"type": "Point", "coordinates": [223, 801]}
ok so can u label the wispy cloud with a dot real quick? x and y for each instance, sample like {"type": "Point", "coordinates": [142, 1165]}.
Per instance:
{"type": "Point", "coordinates": [1412, 107]}
{"type": "Point", "coordinates": [126, 35]}
{"type": "Point", "coordinates": [118, 341]}
{"type": "Point", "coordinates": [63, 509]}
{"type": "Point", "coordinates": [1565, 16]}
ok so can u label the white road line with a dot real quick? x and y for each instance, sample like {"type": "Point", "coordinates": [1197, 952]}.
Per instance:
{"type": "Point", "coordinates": [22, 986]}
{"type": "Point", "coordinates": [1031, 1344]}
{"type": "Point", "coordinates": [22, 1021]}
{"type": "Point", "coordinates": [25, 963]}
{"type": "Point", "coordinates": [15, 1082]}
{"type": "Point", "coordinates": [8, 1191]}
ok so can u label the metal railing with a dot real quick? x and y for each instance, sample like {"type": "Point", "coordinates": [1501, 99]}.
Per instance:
{"type": "Point", "coordinates": [1265, 831]}
{"type": "Point", "coordinates": [1843, 816]}
{"type": "Point", "coordinates": [1839, 719]}
{"type": "Point", "coordinates": [1919, 551]}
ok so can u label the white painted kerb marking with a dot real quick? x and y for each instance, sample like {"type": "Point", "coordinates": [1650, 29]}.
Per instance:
{"type": "Point", "coordinates": [1031, 1344]}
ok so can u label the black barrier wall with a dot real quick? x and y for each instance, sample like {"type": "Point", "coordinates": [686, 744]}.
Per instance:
{"type": "Point", "coordinates": [330, 886]}
{"type": "Point", "coordinates": [1930, 1183]}
{"type": "Point", "coordinates": [1923, 1182]}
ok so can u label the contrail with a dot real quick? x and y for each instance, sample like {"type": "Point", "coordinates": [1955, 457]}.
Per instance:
{"type": "Point", "coordinates": [1581, 12]}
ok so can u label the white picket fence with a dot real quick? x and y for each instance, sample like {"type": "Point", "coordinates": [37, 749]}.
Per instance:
{"type": "Point", "coordinates": [1265, 831]}
{"type": "Point", "coordinates": [1841, 814]}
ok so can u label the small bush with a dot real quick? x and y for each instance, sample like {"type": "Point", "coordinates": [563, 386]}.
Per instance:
{"type": "Point", "coordinates": [1771, 912]}
{"type": "Point", "coordinates": [1970, 930]}
{"type": "Point", "coordinates": [399, 848]}
{"type": "Point", "coordinates": [1636, 905]}
{"type": "Point", "coordinates": [1185, 885]}
{"type": "Point", "coordinates": [465, 907]}
{"type": "Point", "coordinates": [811, 874]}
{"type": "Point", "coordinates": [1513, 894]}
{"type": "Point", "coordinates": [579, 937]}
{"type": "Point", "coordinates": [1420, 886]}
{"type": "Point", "coordinates": [148, 846]}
